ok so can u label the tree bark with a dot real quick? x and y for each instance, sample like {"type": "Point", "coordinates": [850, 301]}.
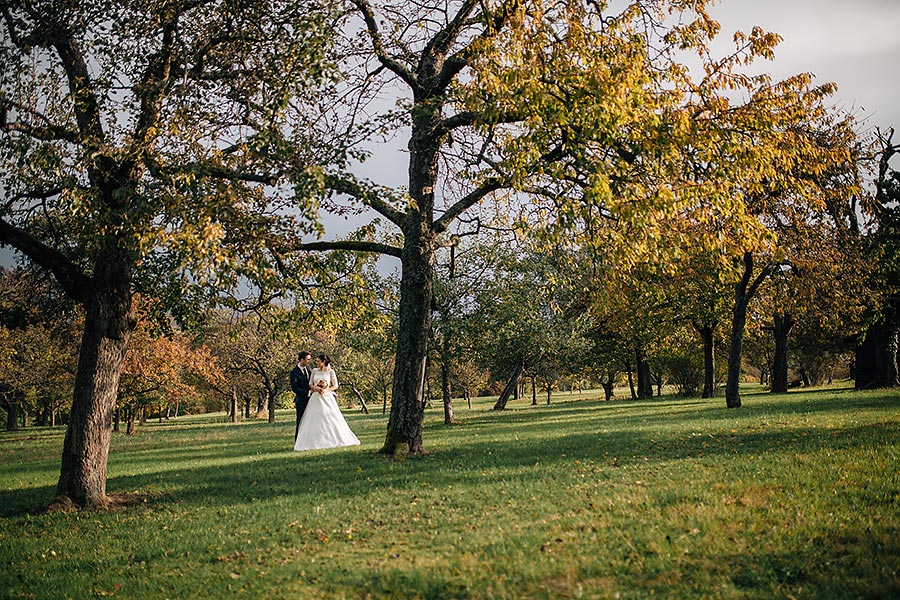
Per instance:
{"type": "Point", "coordinates": [271, 393]}
{"type": "Point", "coordinates": [404, 435]}
{"type": "Point", "coordinates": [12, 417]}
{"type": "Point", "coordinates": [877, 354]}
{"type": "Point", "coordinates": [782, 331]}
{"type": "Point", "coordinates": [644, 380]}
{"type": "Point", "coordinates": [359, 396]}
{"type": "Point", "coordinates": [109, 320]}
{"type": "Point", "coordinates": [744, 291]}
{"type": "Point", "coordinates": [608, 383]}
{"type": "Point", "coordinates": [234, 404]}
{"type": "Point", "coordinates": [508, 389]}
{"type": "Point", "coordinates": [630, 373]}
{"type": "Point", "coordinates": [707, 334]}
{"type": "Point", "coordinates": [446, 392]}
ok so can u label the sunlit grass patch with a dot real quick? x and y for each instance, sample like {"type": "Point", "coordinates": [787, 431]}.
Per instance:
{"type": "Point", "coordinates": [791, 496]}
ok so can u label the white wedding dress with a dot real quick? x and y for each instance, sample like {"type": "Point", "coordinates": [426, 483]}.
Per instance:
{"type": "Point", "coordinates": [323, 425]}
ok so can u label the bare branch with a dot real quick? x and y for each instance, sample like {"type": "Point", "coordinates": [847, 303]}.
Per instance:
{"type": "Point", "coordinates": [350, 245]}
{"type": "Point", "coordinates": [390, 63]}
{"type": "Point", "coordinates": [369, 197]}
{"type": "Point", "coordinates": [488, 186]}
{"type": "Point", "coordinates": [69, 276]}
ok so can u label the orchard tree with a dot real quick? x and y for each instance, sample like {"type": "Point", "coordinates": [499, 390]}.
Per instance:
{"type": "Point", "coordinates": [877, 356]}
{"type": "Point", "coordinates": [580, 106]}
{"type": "Point", "coordinates": [130, 145]}
{"type": "Point", "coordinates": [779, 177]}
{"type": "Point", "coordinates": [36, 370]}
{"type": "Point", "coordinates": [164, 366]}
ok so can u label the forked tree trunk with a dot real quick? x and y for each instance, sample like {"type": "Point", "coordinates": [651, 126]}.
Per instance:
{"type": "Point", "coordinates": [745, 289]}
{"type": "Point", "coordinates": [107, 329]}
{"type": "Point", "coordinates": [782, 332]}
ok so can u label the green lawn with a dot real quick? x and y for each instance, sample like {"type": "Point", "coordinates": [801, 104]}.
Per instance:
{"type": "Point", "coordinates": [791, 496]}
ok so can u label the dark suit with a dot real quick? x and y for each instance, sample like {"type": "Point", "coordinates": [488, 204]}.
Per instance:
{"type": "Point", "coordinates": [300, 386]}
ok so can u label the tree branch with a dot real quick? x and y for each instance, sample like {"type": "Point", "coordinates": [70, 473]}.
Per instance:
{"type": "Point", "coordinates": [153, 86]}
{"type": "Point", "coordinates": [390, 63]}
{"type": "Point", "coordinates": [212, 171]}
{"type": "Point", "coordinates": [73, 281]}
{"type": "Point", "coordinates": [47, 134]}
{"type": "Point", "coordinates": [490, 185]}
{"type": "Point", "coordinates": [85, 104]}
{"type": "Point", "coordinates": [369, 197]}
{"type": "Point", "coordinates": [351, 245]}
{"type": "Point", "coordinates": [459, 61]}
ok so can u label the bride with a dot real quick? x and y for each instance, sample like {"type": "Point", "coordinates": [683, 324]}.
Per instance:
{"type": "Point", "coordinates": [323, 425]}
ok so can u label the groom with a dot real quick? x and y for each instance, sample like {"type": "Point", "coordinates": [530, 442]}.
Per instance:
{"type": "Point", "coordinates": [300, 385]}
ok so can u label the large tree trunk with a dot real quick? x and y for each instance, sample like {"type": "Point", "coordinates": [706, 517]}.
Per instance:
{"type": "Point", "coordinates": [707, 334]}
{"type": "Point", "coordinates": [877, 355]}
{"type": "Point", "coordinates": [446, 393]}
{"type": "Point", "coordinates": [782, 331]}
{"type": "Point", "coordinates": [108, 323]}
{"type": "Point", "coordinates": [404, 434]}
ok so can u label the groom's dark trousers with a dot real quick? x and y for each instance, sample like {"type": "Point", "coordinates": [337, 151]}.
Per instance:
{"type": "Point", "coordinates": [300, 387]}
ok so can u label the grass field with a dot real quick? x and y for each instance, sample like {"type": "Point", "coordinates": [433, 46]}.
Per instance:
{"type": "Point", "coordinates": [791, 496]}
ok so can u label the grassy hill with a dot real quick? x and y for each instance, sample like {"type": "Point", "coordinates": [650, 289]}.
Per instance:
{"type": "Point", "coordinates": [791, 496]}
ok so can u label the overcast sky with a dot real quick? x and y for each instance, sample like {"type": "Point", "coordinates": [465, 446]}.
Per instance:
{"type": "Point", "coordinates": [853, 43]}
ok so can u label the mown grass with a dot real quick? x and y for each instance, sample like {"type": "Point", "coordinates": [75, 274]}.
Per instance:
{"type": "Point", "coordinates": [791, 496]}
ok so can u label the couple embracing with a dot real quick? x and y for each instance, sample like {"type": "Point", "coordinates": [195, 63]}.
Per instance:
{"type": "Point", "coordinates": [320, 423]}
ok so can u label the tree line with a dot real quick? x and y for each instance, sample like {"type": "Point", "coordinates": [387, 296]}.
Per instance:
{"type": "Point", "coordinates": [181, 153]}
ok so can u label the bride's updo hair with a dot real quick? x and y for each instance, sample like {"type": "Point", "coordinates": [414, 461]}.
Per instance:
{"type": "Point", "coordinates": [325, 359]}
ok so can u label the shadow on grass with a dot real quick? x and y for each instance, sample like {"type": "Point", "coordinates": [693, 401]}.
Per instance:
{"type": "Point", "coordinates": [353, 473]}
{"type": "Point", "coordinates": [257, 464]}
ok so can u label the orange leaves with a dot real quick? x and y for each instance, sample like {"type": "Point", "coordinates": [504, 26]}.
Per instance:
{"type": "Point", "coordinates": [165, 364]}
